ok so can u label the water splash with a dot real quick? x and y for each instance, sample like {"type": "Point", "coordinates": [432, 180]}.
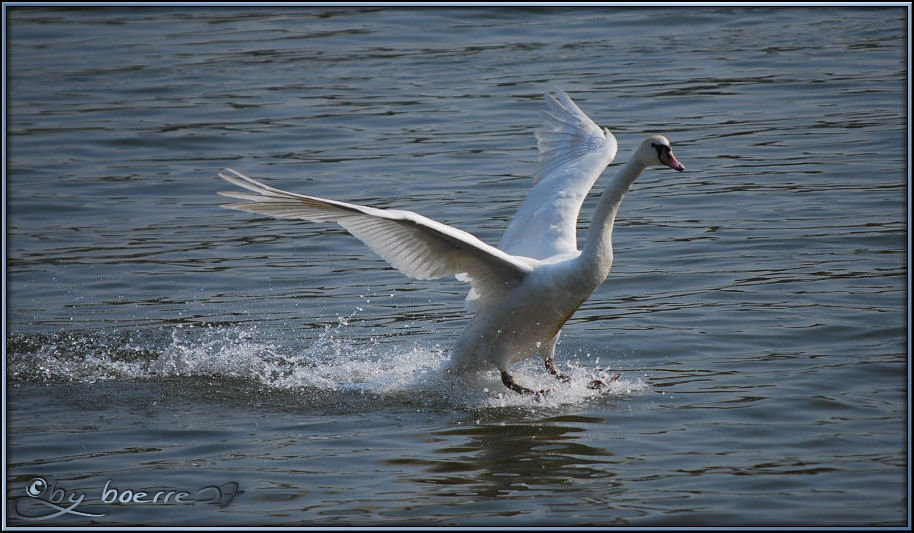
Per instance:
{"type": "Point", "coordinates": [330, 362]}
{"type": "Point", "coordinates": [558, 393]}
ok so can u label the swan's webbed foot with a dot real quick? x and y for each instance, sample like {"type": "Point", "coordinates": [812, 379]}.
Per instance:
{"type": "Point", "coordinates": [520, 389]}
{"type": "Point", "coordinates": [550, 367]}
{"type": "Point", "coordinates": [598, 384]}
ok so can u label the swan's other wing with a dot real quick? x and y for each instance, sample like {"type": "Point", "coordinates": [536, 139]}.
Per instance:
{"type": "Point", "coordinates": [415, 245]}
{"type": "Point", "coordinates": [573, 152]}
{"type": "Point", "coordinates": [566, 137]}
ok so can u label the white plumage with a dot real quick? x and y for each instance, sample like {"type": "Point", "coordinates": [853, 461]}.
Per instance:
{"type": "Point", "coordinates": [524, 291]}
{"type": "Point", "coordinates": [415, 245]}
{"type": "Point", "coordinates": [573, 152]}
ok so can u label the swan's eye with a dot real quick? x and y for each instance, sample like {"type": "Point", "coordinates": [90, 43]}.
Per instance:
{"type": "Point", "coordinates": [661, 149]}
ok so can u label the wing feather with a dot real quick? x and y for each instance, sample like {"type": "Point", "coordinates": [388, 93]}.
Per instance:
{"type": "Point", "coordinates": [573, 152]}
{"type": "Point", "coordinates": [567, 135]}
{"type": "Point", "coordinates": [417, 246]}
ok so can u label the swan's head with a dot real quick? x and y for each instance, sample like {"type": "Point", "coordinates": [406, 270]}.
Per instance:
{"type": "Point", "coordinates": [656, 151]}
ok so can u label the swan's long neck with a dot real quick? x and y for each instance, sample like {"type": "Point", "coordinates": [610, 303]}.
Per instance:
{"type": "Point", "coordinates": [598, 249]}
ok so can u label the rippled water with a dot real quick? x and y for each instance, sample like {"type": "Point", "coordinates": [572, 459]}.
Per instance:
{"type": "Point", "coordinates": [277, 373]}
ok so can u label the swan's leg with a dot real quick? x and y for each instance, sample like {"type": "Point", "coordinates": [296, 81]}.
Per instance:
{"type": "Point", "coordinates": [550, 367]}
{"type": "Point", "coordinates": [520, 389]}
{"type": "Point", "coordinates": [549, 358]}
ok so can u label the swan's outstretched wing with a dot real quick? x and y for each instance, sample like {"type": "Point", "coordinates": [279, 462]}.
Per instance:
{"type": "Point", "coordinates": [415, 245]}
{"type": "Point", "coordinates": [573, 152]}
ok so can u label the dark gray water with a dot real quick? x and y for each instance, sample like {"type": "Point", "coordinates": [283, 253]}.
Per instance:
{"type": "Point", "coordinates": [264, 372]}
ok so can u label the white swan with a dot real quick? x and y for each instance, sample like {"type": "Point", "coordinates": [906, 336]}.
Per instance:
{"type": "Point", "coordinates": [525, 291]}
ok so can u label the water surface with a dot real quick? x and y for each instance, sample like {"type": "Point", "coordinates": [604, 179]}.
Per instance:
{"type": "Point", "coordinates": [278, 373]}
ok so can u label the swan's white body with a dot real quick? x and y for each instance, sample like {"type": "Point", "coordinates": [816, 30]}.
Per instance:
{"type": "Point", "coordinates": [524, 291]}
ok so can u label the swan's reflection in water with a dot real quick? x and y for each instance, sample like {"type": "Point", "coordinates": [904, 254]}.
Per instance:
{"type": "Point", "coordinates": [498, 460]}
